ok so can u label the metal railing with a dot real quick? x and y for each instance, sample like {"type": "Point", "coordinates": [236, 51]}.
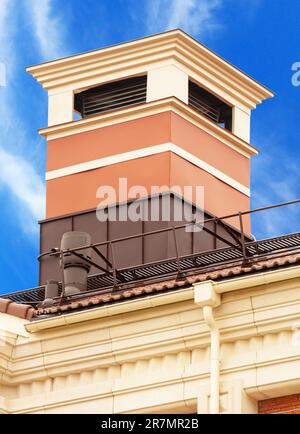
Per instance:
{"type": "Point", "coordinates": [243, 250]}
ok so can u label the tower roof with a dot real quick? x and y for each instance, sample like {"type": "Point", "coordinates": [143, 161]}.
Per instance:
{"type": "Point", "coordinates": [141, 55]}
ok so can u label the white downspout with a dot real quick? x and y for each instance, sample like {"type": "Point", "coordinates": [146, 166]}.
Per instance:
{"type": "Point", "coordinates": [214, 359]}
{"type": "Point", "coordinates": [206, 297]}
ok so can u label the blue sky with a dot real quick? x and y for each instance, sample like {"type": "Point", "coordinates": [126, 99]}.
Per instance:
{"type": "Point", "coordinates": [259, 36]}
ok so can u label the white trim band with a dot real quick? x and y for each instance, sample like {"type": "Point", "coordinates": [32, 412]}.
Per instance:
{"type": "Point", "coordinates": [146, 152]}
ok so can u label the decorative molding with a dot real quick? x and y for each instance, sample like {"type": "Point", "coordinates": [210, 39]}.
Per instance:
{"type": "Point", "coordinates": [139, 56]}
{"type": "Point", "coordinates": [136, 112]}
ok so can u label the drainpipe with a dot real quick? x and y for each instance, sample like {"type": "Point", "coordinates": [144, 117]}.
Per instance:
{"type": "Point", "coordinates": [206, 297]}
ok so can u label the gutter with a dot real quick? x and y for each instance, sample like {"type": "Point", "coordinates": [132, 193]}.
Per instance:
{"type": "Point", "coordinates": [109, 310]}
{"type": "Point", "coordinates": [257, 279]}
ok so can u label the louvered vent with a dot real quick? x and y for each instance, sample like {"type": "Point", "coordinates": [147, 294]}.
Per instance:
{"type": "Point", "coordinates": [111, 96]}
{"type": "Point", "coordinates": [210, 106]}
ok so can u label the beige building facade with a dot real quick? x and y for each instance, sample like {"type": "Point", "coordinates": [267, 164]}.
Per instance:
{"type": "Point", "coordinates": [153, 353]}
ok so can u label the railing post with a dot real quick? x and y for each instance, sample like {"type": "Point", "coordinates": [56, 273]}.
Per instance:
{"type": "Point", "coordinates": [180, 274]}
{"type": "Point", "coordinates": [242, 236]}
{"type": "Point", "coordinates": [113, 261]}
{"type": "Point", "coordinates": [215, 232]}
{"type": "Point", "coordinates": [63, 286]}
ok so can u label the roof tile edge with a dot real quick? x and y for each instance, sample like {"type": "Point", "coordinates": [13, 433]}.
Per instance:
{"type": "Point", "coordinates": [24, 311]}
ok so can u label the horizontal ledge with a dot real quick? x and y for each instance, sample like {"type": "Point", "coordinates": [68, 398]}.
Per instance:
{"type": "Point", "coordinates": [146, 152]}
{"type": "Point", "coordinates": [151, 108]}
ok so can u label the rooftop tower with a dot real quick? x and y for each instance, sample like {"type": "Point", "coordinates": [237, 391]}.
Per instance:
{"type": "Point", "coordinates": [162, 110]}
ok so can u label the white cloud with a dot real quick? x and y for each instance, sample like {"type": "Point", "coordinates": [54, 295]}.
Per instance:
{"type": "Point", "coordinates": [20, 183]}
{"type": "Point", "coordinates": [7, 21]}
{"type": "Point", "coordinates": [19, 179]}
{"type": "Point", "coordinates": [4, 5]}
{"type": "Point", "coordinates": [276, 180]}
{"type": "Point", "coordinates": [47, 28]}
{"type": "Point", "coordinates": [193, 16]}
{"type": "Point", "coordinates": [27, 188]}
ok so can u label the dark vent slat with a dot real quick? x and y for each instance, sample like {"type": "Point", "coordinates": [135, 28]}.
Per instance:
{"type": "Point", "coordinates": [120, 101]}
{"type": "Point", "coordinates": [204, 108]}
{"type": "Point", "coordinates": [115, 105]}
{"type": "Point", "coordinates": [119, 98]}
{"type": "Point", "coordinates": [210, 106]}
{"type": "Point", "coordinates": [112, 88]}
{"type": "Point", "coordinates": [120, 92]}
{"type": "Point", "coordinates": [112, 96]}
{"type": "Point", "coordinates": [204, 104]}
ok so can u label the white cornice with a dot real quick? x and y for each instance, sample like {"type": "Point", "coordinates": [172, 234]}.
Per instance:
{"type": "Point", "coordinates": [140, 56]}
